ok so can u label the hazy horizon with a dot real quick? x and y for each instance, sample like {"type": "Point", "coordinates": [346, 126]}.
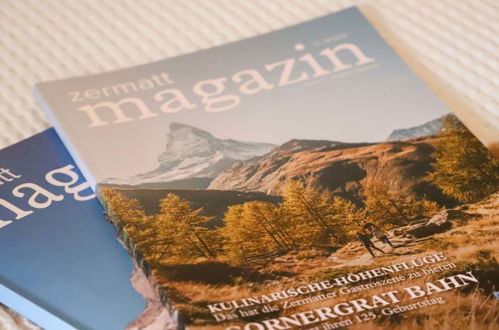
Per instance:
{"type": "Point", "coordinates": [285, 141]}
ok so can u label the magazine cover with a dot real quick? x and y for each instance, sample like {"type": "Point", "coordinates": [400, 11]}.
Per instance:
{"type": "Point", "coordinates": [60, 263]}
{"type": "Point", "coordinates": [304, 178]}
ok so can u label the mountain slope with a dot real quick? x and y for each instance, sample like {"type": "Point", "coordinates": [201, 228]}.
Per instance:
{"type": "Point", "coordinates": [338, 167]}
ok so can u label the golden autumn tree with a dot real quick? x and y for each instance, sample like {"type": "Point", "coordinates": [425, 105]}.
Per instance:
{"type": "Point", "coordinates": [255, 227]}
{"type": "Point", "coordinates": [347, 216]}
{"type": "Point", "coordinates": [464, 168]}
{"type": "Point", "coordinates": [126, 209]}
{"type": "Point", "coordinates": [182, 230]}
{"type": "Point", "coordinates": [315, 216]}
{"type": "Point", "coordinates": [272, 222]}
{"type": "Point", "coordinates": [236, 233]}
{"type": "Point", "coordinates": [131, 221]}
{"type": "Point", "coordinates": [395, 207]}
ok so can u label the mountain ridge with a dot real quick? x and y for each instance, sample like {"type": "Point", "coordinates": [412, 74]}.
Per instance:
{"type": "Point", "coordinates": [428, 128]}
{"type": "Point", "coordinates": [341, 168]}
{"type": "Point", "coordinates": [195, 159]}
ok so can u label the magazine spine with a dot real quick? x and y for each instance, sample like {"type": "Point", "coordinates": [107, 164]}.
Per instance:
{"type": "Point", "coordinates": [31, 310]}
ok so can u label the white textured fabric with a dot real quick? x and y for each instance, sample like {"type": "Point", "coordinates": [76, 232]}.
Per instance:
{"type": "Point", "coordinates": [452, 44]}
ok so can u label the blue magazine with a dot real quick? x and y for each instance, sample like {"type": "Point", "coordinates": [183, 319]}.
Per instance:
{"type": "Point", "coordinates": [60, 263]}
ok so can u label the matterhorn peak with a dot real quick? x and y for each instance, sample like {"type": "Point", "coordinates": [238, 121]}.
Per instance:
{"type": "Point", "coordinates": [191, 152]}
{"type": "Point", "coordinates": [176, 127]}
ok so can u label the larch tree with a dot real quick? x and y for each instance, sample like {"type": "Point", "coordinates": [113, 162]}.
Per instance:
{"type": "Point", "coordinates": [271, 221]}
{"type": "Point", "coordinates": [464, 168]}
{"type": "Point", "coordinates": [395, 207]}
{"type": "Point", "coordinates": [235, 233]}
{"type": "Point", "coordinates": [345, 216]}
{"type": "Point", "coordinates": [255, 228]}
{"type": "Point", "coordinates": [314, 216]}
{"type": "Point", "coordinates": [131, 221]}
{"type": "Point", "coordinates": [180, 230]}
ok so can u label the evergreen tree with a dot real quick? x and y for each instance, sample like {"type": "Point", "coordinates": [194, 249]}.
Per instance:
{"type": "Point", "coordinates": [181, 230]}
{"type": "Point", "coordinates": [254, 228]}
{"type": "Point", "coordinates": [347, 217]}
{"type": "Point", "coordinates": [271, 221]}
{"type": "Point", "coordinates": [126, 209]}
{"type": "Point", "coordinates": [394, 206]}
{"type": "Point", "coordinates": [132, 223]}
{"type": "Point", "coordinates": [316, 217]}
{"type": "Point", "coordinates": [464, 168]}
{"type": "Point", "coordinates": [177, 233]}
{"type": "Point", "coordinates": [235, 234]}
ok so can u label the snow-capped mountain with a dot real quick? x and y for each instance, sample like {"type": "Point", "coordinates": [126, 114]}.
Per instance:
{"type": "Point", "coordinates": [429, 128]}
{"type": "Point", "coordinates": [192, 153]}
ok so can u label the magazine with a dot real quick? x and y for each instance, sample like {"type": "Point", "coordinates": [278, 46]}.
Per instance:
{"type": "Point", "coordinates": [60, 263]}
{"type": "Point", "coordinates": [304, 178]}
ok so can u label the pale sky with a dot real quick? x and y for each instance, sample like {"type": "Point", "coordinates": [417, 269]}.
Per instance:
{"type": "Point", "coordinates": [363, 104]}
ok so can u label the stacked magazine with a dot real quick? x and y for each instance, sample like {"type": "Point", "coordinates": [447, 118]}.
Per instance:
{"type": "Point", "coordinates": [61, 264]}
{"type": "Point", "coordinates": [305, 178]}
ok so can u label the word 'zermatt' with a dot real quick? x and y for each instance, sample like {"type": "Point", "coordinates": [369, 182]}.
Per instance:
{"type": "Point", "coordinates": [212, 92]}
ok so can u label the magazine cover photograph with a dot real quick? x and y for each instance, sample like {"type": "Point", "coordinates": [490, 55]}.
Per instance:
{"type": "Point", "coordinates": [401, 232]}
{"type": "Point", "coordinates": [301, 179]}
